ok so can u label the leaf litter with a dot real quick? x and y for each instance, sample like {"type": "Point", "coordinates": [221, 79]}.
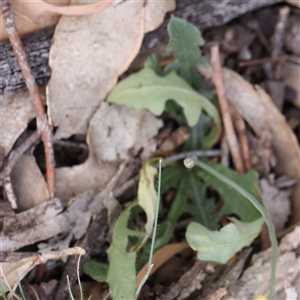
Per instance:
{"type": "Point", "coordinates": [117, 134]}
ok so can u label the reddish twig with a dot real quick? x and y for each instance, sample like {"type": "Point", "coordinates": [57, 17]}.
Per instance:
{"type": "Point", "coordinates": [228, 126]}
{"type": "Point", "coordinates": [240, 128]}
{"type": "Point", "coordinates": [42, 122]}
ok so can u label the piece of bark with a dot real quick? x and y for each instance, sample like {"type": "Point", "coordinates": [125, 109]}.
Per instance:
{"type": "Point", "coordinates": [37, 46]}
{"type": "Point", "coordinates": [204, 14]}
{"type": "Point", "coordinates": [254, 281]}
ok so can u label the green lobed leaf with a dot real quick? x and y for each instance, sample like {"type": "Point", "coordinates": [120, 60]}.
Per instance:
{"type": "Point", "coordinates": [184, 42]}
{"type": "Point", "coordinates": [220, 246]}
{"type": "Point", "coordinates": [234, 202]}
{"type": "Point", "coordinates": [145, 89]}
{"type": "Point", "coordinates": [96, 270]}
{"type": "Point", "coordinates": [261, 209]}
{"type": "Point", "coordinates": [121, 275]}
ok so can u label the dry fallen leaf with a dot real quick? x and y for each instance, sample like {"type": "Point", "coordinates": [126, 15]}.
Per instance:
{"type": "Point", "coordinates": [13, 272]}
{"type": "Point", "coordinates": [28, 183]}
{"type": "Point", "coordinates": [276, 202]}
{"type": "Point", "coordinates": [291, 75]}
{"type": "Point", "coordinates": [253, 282]}
{"type": "Point", "coordinates": [293, 2]}
{"type": "Point", "coordinates": [115, 134]}
{"type": "Point", "coordinates": [174, 140]}
{"type": "Point", "coordinates": [46, 221]}
{"type": "Point", "coordinates": [35, 15]}
{"type": "Point", "coordinates": [88, 55]}
{"type": "Point", "coordinates": [160, 257]}
{"type": "Point", "coordinates": [16, 112]}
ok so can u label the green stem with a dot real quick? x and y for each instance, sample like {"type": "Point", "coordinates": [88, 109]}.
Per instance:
{"type": "Point", "coordinates": [264, 213]}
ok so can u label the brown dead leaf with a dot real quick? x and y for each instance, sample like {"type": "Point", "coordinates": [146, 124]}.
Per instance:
{"type": "Point", "coordinates": [293, 2]}
{"type": "Point", "coordinates": [31, 16]}
{"type": "Point", "coordinates": [115, 134]}
{"type": "Point", "coordinates": [276, 202]}
{"type": "Point", "coordinates": [16, 112]}
{"type": "Point", "coordinates": [256, 107]}
{"type": "Point", "coordinates": [291, 76]}
{"type": "Point", "coordinates": [28, 183]}
{"type": "Point", "coordinates": [13, 272]}
{"type": "Point", "coordinates": [261, 152]}
{"type": "Point", "coordinates": [176, 139]}
{"type": "Point", "coordinates": [46, 221]}
{"type": "Point", "coordinates": [88, 55]}
{"type": "Point", "coordinates": [160, 257]}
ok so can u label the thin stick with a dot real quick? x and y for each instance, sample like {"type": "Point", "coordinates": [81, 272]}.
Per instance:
{"type": "Point", "coordinates": [197, 153]}
{"type": "Point", "coordinates": [228, 126]}
{"type": "Point", "coordinates": [260, 61]}
{"type": "Point", "coordinates": [78, 277]}
{"type": "Point", "coordinates": [240, 127]}
{"type": "Point", "coordinates": [278, 39]}
{"type": "Point", "coordinates": [17, 153]}
{"type": "Point", "coordinates": [224, 151]}
{"type": "Point", "coordinates": [42, 122]}
{"type": "Point", "coordinates": [10, 194]}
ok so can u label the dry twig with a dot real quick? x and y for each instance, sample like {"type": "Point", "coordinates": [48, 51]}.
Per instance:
{"type": "Point", "coordinates": [197, 153]}
{"type": "Point", "coordinates": [281, 58]}
{"type": "Point", "coordinates": [11, 197]}
{"type": "Point", "coordinates": [42, 122]}
{"type": "Point", "coordinates": [278, 39]}
{"type": "Point", "coordinates": [17, 153]}
{"type": "Point", "coordinates": [240, 127]}
{"type": "Point", "coordinates": [228, 126]}
{"type": "Point", "coordinates": [224, 151]}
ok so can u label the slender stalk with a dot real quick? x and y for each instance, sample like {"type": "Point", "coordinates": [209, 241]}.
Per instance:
{"type": "Point", "coordinates": [150, 261]}
{"type": "Point", "coordinates": [42, 122]}
{"type": "Point", "coordinates": [227, 121]}
{"type": "Point", "coordinates": [264, 213]}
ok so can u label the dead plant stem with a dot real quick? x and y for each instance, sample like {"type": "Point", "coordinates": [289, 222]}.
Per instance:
{"type": "Point", "coordinates": [240, 127]}
{"type": "Point", "coordinates": [227, 121]}
{"type": "Point", "coordinates": [17, 153]}
{"type": "Point", "coordinates": [42, 122]}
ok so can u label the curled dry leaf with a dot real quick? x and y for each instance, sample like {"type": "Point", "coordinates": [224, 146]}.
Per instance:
{"type": "Point", "coordinates": [115, 134]}
{"type": "Point", "coordinates": [88, 55]}
{"type": "Point", "coordinates": [16, 271]}
{"type": "Point", "coordinates": [276, 202]}
{"type": "Point", "coordinates": [16, 112]}
{"type": "Point", "coordinates": [257, 108]}
{"type": "Point", "coordinates": [160, 257]}
{"type": "Point", "coordinates": [293, 2]}
{"type": "Point", "coordinates": [174, 140]}
{"type": "Point", "coordinates": [35, 15]}
{"type": "Point", "coordinates": [291, 75]}
{"type": "Point", "coordinates": [28, 183]}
